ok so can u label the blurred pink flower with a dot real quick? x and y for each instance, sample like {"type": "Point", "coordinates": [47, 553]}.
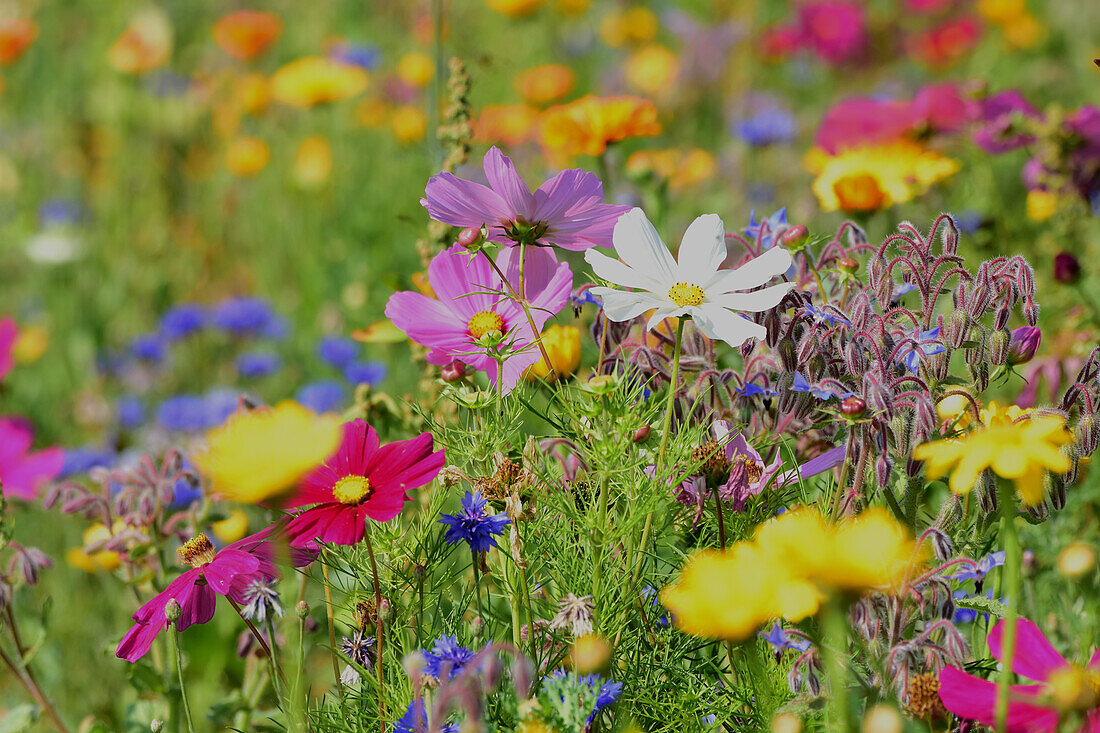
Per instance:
{"type": "Point", "coordinates": [8, 334]}
{"type": "Point", "coordinates": [996, 133]}
{"type": "Point", "coordinates": [834, 29]}
{"type": "Point", "coordinates": [21, 473]}
{"type": "Point", "coordinates": [566, 210]}
{"type": "Point", "coordinates": [945, 107]}
{"type": "Point", "coordinates": [863, 121]}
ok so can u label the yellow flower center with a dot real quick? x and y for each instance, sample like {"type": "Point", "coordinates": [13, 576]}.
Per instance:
{"type": "Point", "coordinates": [196, 551]}
{"type": "Point", "coordinates": [352, 489]}
{"type": "Point", "coordinates": [859, 192]}
{"type": "Point", "coordinates": [1072, 688]}
{"type": "Point", "coordinates": [685, 294]}
{"type": "Point", "coordinates": [484, 322]}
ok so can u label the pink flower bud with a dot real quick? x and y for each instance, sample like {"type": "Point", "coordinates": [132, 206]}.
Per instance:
{"type": "Point", "coordinates": [641, 435]}
{"type": "Point", "coordinates": [470, 237]}
{"type": "Point", "coordinates": [453, 371]}
{"type": "Point", "coordinates": [1023, 345]}
{"type": "Point", "coordinates": [794, 235]}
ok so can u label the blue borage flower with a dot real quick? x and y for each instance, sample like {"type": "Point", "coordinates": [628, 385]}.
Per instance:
{"type": "Point", "coordinates": [779, 640]}
{"type": "Point", "coordinates": [473, 525]}
{"type": "Point", "coordinates": [819, 391]}
{"type": "Point", "coordinates": [337, 351]}
{"type": "Point", "coordinates": [768, 126]}
{"type": "Point", "coordinates": [447, 653]}
{"type": "Point", "coordinates": [416, 719]}
{"type": "Point", "coordinates": [182, 321]}
{"type": "Point", "coordinates": [325, 396]}
{"type": "Point", "coordinates": [985, 566]}
{"type": "Point", "coordinates": [191, 413]}
{"type": "Point", "coordinates": [766, 234]}
{"type": "Point", "coordinates": [826, 315]}
{"type": "Point", "coordinates": [926, 345]}
{"type": "Point", "coordinates": [257, 364]}
{"type": "Point", "coordinates": [752, 390]}
{"type": "Point", "coordinates": [84, 459]}
{"type": "Point", "coordinates": [59, 211]}
{"type": "Point", "coordinates": [969, 615]}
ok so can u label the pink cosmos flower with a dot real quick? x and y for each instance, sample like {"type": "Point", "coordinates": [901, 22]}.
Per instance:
{"type": "Point", "coordinates": [8, 334]}
{"type": "Point", "coordinates": [836, 30]}
{"type": "Point", "coordinates": [469, 306]}
{"type": "Point", "coordinates": [863, 121]}
{"type": "Point", "coordinates": [974, 698]}
{"type": "Point", "coordinates": [362, 480]}
{"type": "Point", "coordinates": [21, 473]}
{"type": "Point", "coordinates": [227, 572]}
{"type": "Point", "coordinates": [945, 107]}
{"type": "Point", "coordinates": [566, 210]}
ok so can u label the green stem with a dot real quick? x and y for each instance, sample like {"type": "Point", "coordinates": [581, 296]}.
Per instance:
{"type": "Point", "coordinates": [331, 628]}
{"type": "Point", "coordinates": [1011, 580]}
{"type": "Point", "coordinates": [599, 536]}
{"type": "Point", "coordinates": [378, 664]}
{"type": "Point", "coordinates": [834, 650]}
{"type": "Point", "coordinates": [179, 672]}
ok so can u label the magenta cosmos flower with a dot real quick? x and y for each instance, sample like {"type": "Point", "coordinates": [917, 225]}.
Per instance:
{"type": "Point", "coordinates": [567, 210]}
{"type": "Point", "coordinates": [1031, 707]}
{"type": "Point", "coordinates": [227, 572]}
{"type": "Point", "coordinates": [21, 473]}
{"type": "Point", "coordinates": [363, 480]}
{"type": "Point", "coordinates": [470, 305]}
{"type": "Point", "coordinates": [8, 334]}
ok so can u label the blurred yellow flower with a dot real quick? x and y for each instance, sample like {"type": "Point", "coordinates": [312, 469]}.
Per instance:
{"type": "Point", "coordinates": [314, 80]}
{"type": "Point", "coordinates": [544, 84]}
{"type": "Point", "coordinates": [30, 344]}
{"type": "Point", "coordinates": [786, 723]}
{"type": "Point", "coordinates": [1024, 31]}
{"type": "Point", "coordinates": [252, 93]}
{"type": "Point", "coordinates": [590, 653]}
{"type": "Point", "coordinates": [1076, 559]}
{"type": "Point", "coordinates": [409, 124]}
{"type": "Point", "coordinates": [371, 112]}
{"type": "Point", "coordinates": [1001, 11]}
{"type": "Point", "coordinates": [259, 454]}
{"type": "Point", "coordinates": [515, 8]}
{"type": "Point", "coordinates": [381, 332]}
{"type": "Point", "coordinates": [588, 125]}
{"type": "Point", "coordinates": [680, 168]}
{"type": "Point", "coordinates": [93, 562]}
{"type": "Point", "coordinates": [1041, 205]}
{"type": "Point", "coordinates": [16, 36]}
{"type": "Point", "coordinates": [232, 528]}
{"type": "Point", "coordinates": [246, 156]}
{"type": "Point", "coordinates": [313, 162]}
{"type": "Point", "coordinates": [570, 8]}
{"type": "Point", "coordinates": [652, 69]}
{"type": "Point", "coordinates": [144, 45]}
{"type": "Point", "coordinates": [633, 25]}
{"type": "Point", "coordinates": [1020, 451]}
{"type": "Point", "coordinates": [245, 34]}
{"type": "Point", "coordinates": [508, 124]}
{"type": "Point", "coordinates": [875, 177]}
{"type": "Point", "coordinates": [563, 344]}
{"type": "Point", "coordinates": [416, 68]}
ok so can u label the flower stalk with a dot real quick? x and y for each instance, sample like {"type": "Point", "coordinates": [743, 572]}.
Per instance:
{"type": "Point", "coordinates": [1013, 561]}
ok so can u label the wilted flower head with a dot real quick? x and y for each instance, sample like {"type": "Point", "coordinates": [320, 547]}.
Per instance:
{"type": "Point", "coordinates": [575, 614]}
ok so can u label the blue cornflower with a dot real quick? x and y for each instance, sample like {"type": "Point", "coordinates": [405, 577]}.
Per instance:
{"type": "Point", "coordinates": [219, 404]}
{"type": "Point", "coordinates": [337, 351]}
{"type": "Point", "coordinates": [766, 127]}
{"type": "Point", "coordinates": [129, 412]}
{"type": "Point", "coordinates": [825, 315]}
{"type": "Point", "coordinates": [248, 317]}
{"type": "Point", "coordinates": [84, 459]}
{"type": "Point", "coordinates": [185, 413]}
{"type": "Point", "coordinates": [326, 396]}
{"type": "Point", "coordinates": [148, 347]}
{"type": "Point", "coordinates": [978, 572]}
{"type": "Point", "coordinates": [606, 692]}
{"type": "Point", "coordinates": [473, 525]}
{"type": "Point", "coordinates": [822, 393]}
{"type": "Point", "coordinates": [257, 364]}
{"type": "Point", "coordinates": [416, 718]}
{"type": "Point", "coordinates": [779, 640]}
{"type": "Point", "coordinates": [371, 372]}
{"type": "Point", "coordinates": [774, 222]}
{"type": "Point", "coordinates": [182, 321]}
{"type": "Point", "coordinates": [185, 493]}
{"type": "Point", "coordinates": [911, 354]}
{"type": "Point", "coordinates": [446, 652]}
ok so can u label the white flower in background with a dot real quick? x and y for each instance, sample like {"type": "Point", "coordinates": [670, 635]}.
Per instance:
{"type": "Point", "coordinates": [693, 286]}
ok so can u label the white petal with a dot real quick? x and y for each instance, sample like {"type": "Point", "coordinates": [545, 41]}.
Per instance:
{"type": "Point", "coordinates": [622, 305]}
{"type": "Point", "coordinates": [666, 311]}
{"type": "Point", "coordinates": [702, 249]}
{"type": "Point", "coordinates": [612, 270]}
{"type": "Point", "coordinates": [639, 245]}
{"type": "Point", "coordinates": [756, 301]}
{"type": "Point", "coordinates": [723, 325]}
{"type": "Point", "coordinates": [753, 273]}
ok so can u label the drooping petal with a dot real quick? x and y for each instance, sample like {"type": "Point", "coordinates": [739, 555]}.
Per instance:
{"type": "Point", "coordinates": [753, 273]}
{"type": "Point", "coordinates": [1034, 657]}
{"type": "Point", "coordinates": [639, 246]}
{"type": "Point", "coordinates": [702, 249]}
{"type": "Point", "coordinates": [755, 301]}
{"type": "Point", "coordinates": [502, 176]}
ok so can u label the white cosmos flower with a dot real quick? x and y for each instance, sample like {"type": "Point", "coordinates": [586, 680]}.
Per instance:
{"type": "Point", "coordinates": [693, 286]}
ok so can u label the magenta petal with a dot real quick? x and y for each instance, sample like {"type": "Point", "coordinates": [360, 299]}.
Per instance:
{"type": "Point", "coordinates": [8, 333]}
{"type": "Point", "coordinates": [227, 565]}
{"type": "Point", "coordinates": [462, 203]}
{"type": "Point", "coordinates": [23, 478]}
{"type": "Point", "coordinates": [16, 436]}
{"type": "Point", "coordinates": [973, 698]}
{"type": "Point", "coordinates": [502, 176]}
{"type": "Point", "coordinates": [199, 608]}
{"type": "Point", "coordinates": [1034, 657]}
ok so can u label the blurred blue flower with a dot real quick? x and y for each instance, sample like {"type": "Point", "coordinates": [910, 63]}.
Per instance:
{"type": "Point", "coordinates": [129, 412]}
{"type": "Point", "coordinates": [473, 525]}
{"type": "Point", "coordinates": [757, 229]}
{"type": "Point", "coordinates": [357, 54]}
{"type": "Point", "coordinates": [969, 221]}
{"type": "Point", "coordinates": [148, 347]}
{"type": "Point", "coordinates": [371, 372]}
{"type": "Point", "coordinates": [779, 640]}
{"type": "Point", "coordinates": [185, 413]}
{"type": "Point", "coordinates": [59, 211]}
{"type": "Point", "coordinates": [337, 351]}
{"type": "Point", "coordinates": [218, 404]}
{"type": "Point", "coordinates": [184, 493]}
{"type": "Point", "coordinates": [447, 652]}
{"type": "Point", "coordinates": [182, 320]}
{"type": "Point", "coordinates": [248, 317]}
{"type": "Point", "coordinates": [325, 396]}
{"type": "Point", "coordinates": [257, 364]}
{"type": "Point", "coordinates": [768, 126]}
{"type": "Point", "coordinates": [969, 615]}
{"type": "Point", "coordinates": [84, 459]}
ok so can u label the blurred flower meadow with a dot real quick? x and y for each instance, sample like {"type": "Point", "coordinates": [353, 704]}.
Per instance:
{"type": "Point", "coordinates": [549, 365]}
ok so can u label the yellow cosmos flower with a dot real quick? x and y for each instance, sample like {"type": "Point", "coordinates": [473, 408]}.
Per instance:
{"type": "Point", "coordinates": [1020, 451]}
{"type": "Point", "coordinates": [313, 162]}
{"type": "Point", "coordinates": [652, 69]}
{"type": "Point", "coordinates": [246, 156]}
{"type": "Point", "coordinates": [416, 68]}
{"type": "Point", "coordinates": [544, 84]}
{"type": "Point", "coordinates": [256, 455]}
{"type": "Point", "coordinates": [588, 125]}
{"type": "Point", "coordinates": [563, 344]}
{"type": "Point", "coordinates": [875, 177]}
{"type": "Point", "coordinates": [515, 8]}
{"type": "Point", "coordinates": [314, 80]}
{"type": "Point", "coordinates": [232, 528]}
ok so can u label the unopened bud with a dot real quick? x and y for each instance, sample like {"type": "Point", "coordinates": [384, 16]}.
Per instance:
{"type": "Point", "coordinates": [787, 354]}
{"type": "Point", "coordinates": [301, 609]}
{"type": "Point", "coordinates": [958, 328]}
{"type": "Point", "coordinates": [853, 406]}
{"type": "Point", "coordinates": [998, 346]}
{"type": "Point", "coordinates": [1023, 345]}
{"type": "Point", "coordinates": [794, 236]}
{"type": "Point", "coordinates": [471, 237]}
{"type": "Point", "coordinates": [641, 435]}
{"type": "Point", "coordinates": [453, 371]}
{"type": "Point", "coordinates": [172, 610]}
{"type": "Point", "coordinates": [476, 627]}
{"type": "Point", "coordinates": [1087, 433]}
{"type": "Point", "coordinates": [1067, 268]}
{"type": "Point", "coordinates": [942, 545]}
{"type": "Point", "coordinates": [1031, 311]}
{"type": "Point", "coordinates": [849, 265]}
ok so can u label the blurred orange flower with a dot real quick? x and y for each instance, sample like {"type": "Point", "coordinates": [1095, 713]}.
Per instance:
{"type": "Point", "coordinates": [252, 93]}
{"type": "Point", "coordinates": [508, 124]}
{"type": "Point", "coordinates": [947, 43]}
{"type": "Point", "coordinates": [314, 80]}
{"type": "Point", "coordinates": [144, 45]}
{"type": "Point", "coordinates": [16, 35]}
{"type": "Point", "coordinates": [313, 162]}
{"type": "Point", "coordinates": [630, 26]}
{"type": "Point", "coordinates": [246, 156]}
{"type": "Point", "coordinates": [246, 34]}
{"type": "Point", "coordinates": [544, 84]}
{"type": "Point", "coordinates": [681, 168]}
{"type": "Point", "coordinates": [586, 126]}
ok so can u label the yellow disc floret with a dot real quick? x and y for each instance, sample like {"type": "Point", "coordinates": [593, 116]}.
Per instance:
{"type": "Point", "coordinates": [196, 551]}
{"type": "Point", "coordinates": [352, 490]}
{"type": "Point", "coordinates": [484, 322]}
{"type": "Point", "coordinates": [685, 294]}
